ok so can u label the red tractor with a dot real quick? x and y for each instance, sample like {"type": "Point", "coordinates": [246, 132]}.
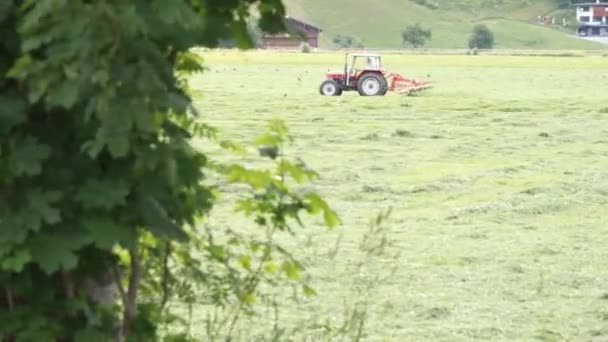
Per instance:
{"type": "Point", "coordinates": [369, 80]}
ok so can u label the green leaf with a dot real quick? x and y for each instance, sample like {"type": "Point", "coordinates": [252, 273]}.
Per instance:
{"type": "Point", "coordinates": [291, 269]}
{"type": "Point", "coordinates": [118, 145]}
{"type": "Point", "coordinates": [35, 41]}
{"type": "Point", "coordinates": [204, 131]}
{"type": "Point", "coordinates": [103, 194]}
{"type": "Point", "coordinates": [130, 14]}
{"type": "Point", "coordinates": [268, 139]}
{"type": "Point", "coordinates": [16, 261]}
{"type": "Point", "coordinates": [234, 241]}
{"type": "Point", "coordinates": [39, 87]}
{"type": "Point", "coordinates": [100, 77]}
{"type": "Point", "coordinates": [232, 146]}
{"type": "Point", "coordinates": [37, 211]}
{"type": "Point", "coordinates": [147, 121]}
{"type": "Point", "coordinates": [12, 111]}
{"type": "Point", "coordinates": [275, 137]}
{"type": "Point", "coordinates": [247, 206]}
{"type": "Point", "coordinates": [116, 124]}
{"type": "Point", "coordinates": [271, 268]}
{"type": "Point", "coordinates": [158, 221]}
{"type": "Point", "coordinates": [279, 128]}
{"type": "Point", "coordinates": [21, 67]}
{"type": "Point", "coordinates": [105, 232]}
{"type": "Point", "coordinates": [255, 178]}
{"type": "Point", "coordinates": [249, 298]}
{"type": "Point", "coordinates": [168, 12]}
{"type": "Point", "coordinates": [245, 261]}
{"type": "Point", "coordinates": [308, 291]}
{"type": "Point", "coordinates": [189, 62]}
{"type": "Point", "coordinates": [27, 157]}
{"type": "Point", "coordinates": [299, 173]}
{"type": "Point", "coordinates": [65, 95]}
{"type": "Point", "coordinates": [331, 218]}
{"type": "Point", "coordinates": [255, 246]}
{"type": "Point", "coordinates": [55, 250]}
{"type": "Point", "coordinates": [217, 252]}
{"type": "Point", "coordinates": [316, 204]}
{"type": "Point", "coordinates": [11, 231]}
{"type": "Point", "coordinates": [53, 261]}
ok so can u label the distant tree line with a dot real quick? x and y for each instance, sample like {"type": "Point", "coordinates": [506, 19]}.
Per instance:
{"type": "Point", "coordinates": [416, 36]}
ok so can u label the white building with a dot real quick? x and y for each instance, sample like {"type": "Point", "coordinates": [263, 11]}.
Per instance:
{"type": "Point", "coordinates": [592, 18]}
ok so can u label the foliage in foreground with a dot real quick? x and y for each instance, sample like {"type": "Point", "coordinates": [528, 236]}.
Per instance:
{"type": "Point", "coordinates": [101, 191]}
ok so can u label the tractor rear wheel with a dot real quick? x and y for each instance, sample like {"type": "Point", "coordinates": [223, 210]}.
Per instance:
{"type": "Point", "coordinates": [371, 85]}
{"type": "Point", "coordinates": [384, 87]}
{"type": "Point", "coordinates": [330, 88]}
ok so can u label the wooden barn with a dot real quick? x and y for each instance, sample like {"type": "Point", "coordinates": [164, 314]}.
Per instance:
{"type": "Point", "coordinates": [298, 32]}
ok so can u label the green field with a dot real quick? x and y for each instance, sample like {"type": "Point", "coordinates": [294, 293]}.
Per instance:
{"type": "Point", "coordinates": [451, 22]}
{"type": "Point", "coordinates": [498, 180]}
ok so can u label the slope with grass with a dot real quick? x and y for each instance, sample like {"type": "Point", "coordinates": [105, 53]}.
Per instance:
{"type": "Point", "coordinates": [379, 24]}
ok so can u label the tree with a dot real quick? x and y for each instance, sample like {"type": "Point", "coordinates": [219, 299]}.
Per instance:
{"type": "Point", "coordinates": [415, 35]}
{"type": "Point", "coordinates": [343, 41]}
{"type": "Point", "coordinates": [481, 37]}
{"type": "Point", "coordinates": [101, 191]}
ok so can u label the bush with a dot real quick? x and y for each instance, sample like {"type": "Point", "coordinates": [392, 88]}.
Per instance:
{"type": "Point", "coordinates": [305, 47]}
{"type": "Point", "coordinates": [481, 37]}
{"type": "Point", "coordinates": [415, 35]}
{"type": "Point", "coordinates": [343, 41]}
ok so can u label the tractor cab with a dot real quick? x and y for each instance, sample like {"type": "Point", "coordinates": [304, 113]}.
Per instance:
{"type": "Point", "coordinates": [360, 63]}
{"type": "Point", "coordinates": [355, 64]}
{"type": "Point", "coordinates": [363, 73]}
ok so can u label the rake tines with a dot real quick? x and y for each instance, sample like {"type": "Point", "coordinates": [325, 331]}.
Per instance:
{"type": "Point", "coordinates": [406, 85]}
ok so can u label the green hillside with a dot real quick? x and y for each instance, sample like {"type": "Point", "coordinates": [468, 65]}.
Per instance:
{"type": "Point", "coordinates": [378, 24]}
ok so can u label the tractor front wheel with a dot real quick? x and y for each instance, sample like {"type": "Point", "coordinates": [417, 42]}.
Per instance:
{"type": "Point", "coordinates": [371, 85]}
{"type": "Point", "coordinates": [330, 88]}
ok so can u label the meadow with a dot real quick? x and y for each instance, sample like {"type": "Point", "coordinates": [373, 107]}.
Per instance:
{"type": "Point", "coordinates": [497, 179]}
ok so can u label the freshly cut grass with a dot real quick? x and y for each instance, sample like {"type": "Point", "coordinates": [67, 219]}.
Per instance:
{"type": "Point", "coordinates": [498, 180]}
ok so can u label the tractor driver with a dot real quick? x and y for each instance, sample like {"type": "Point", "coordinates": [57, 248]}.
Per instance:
{"type": "Point", "coordinates": [371, 63]}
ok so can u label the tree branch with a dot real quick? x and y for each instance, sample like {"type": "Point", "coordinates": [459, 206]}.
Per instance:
{"type": "Point", "coordinates": [68, 284]}
{"type": "Point", "coordinates": [172, 56]}
{"type": "Point", "coordinates": [115, 25]}
{"type": "Point", "coordinates": [121, 289]}
{"type": "Point", "coordinates": [9, 299]}
{"type": "Point", "coordinates": [131, 295]}
{"type": "Point", "coordinates": [166, 274]}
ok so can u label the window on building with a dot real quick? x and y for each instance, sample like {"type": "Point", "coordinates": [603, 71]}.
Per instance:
{"type": "Point", "coordinates": [595, 31]}
{"type": "Point", "coordinates": [584, 8]}
{"type": "Point", "coordinates": [584, 19]}
{"type": "Point", "coordinates": [597, 18]}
